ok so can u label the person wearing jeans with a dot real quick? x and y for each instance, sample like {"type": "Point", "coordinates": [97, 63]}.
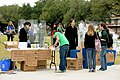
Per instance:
{"type": "Point", "coordinates": [103, 58]}
{"type": "Point", "coordinates": [104, 39]}
{"type": "Point", "coordinates": [64, 48]}
{"type": "Point", "coordinates": [91, 52]}
{"type": "Point", "coordinates": [89, 43]}
{"type": "Point", "coordinates": [63, 55]}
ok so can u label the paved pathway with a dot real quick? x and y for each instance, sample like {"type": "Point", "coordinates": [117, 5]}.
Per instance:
{"type": "Point", "coordinates": [113, 73]}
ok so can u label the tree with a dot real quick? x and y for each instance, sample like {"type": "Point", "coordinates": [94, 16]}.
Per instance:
{"type": "Point", "coordinates": [9, 13]}
{"type": "Point", "coordinates": [115, 7]}
{"type": "Point", "coordinates": [37, 9]}
{"type": "Point", "coordinates": [26, 11]}
{"type": "Point", "coordinates": [78, 9]}
{"type": "Point", "coordinates": [103, 9]}
{"type": "Point", "coordinates": [53, 11]}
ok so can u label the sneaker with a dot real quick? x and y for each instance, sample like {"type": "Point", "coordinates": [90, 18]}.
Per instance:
{"type": "Point", "coordinates": [101, 69]}
{"type": "Point", "coordinates": [90, 70]}
{"type": "Point", "coordinates": [93, 70]}
{"type": "Point", "coordinates": [105, 68]}
{"type": "Point", "coordinates": [59, 71]}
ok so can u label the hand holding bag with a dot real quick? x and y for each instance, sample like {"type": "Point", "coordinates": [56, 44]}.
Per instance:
{"type": "Point", "coordinates": [97, 44]}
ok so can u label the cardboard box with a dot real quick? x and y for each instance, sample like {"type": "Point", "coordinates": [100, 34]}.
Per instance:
{"type": "Point", "coordinates": [44, 55]}
{"type": "Point", "coordinates": [41, 64]}
{"type": "Point", "coordinates": [25, 67]}
{"type": "Point", "coordinates": [74, 64]}
{"type": "Point", "coordinates": [30, 57]}
{"type": "Point", "coordinates": [110, 57]}
{"type": "Point", "coordinates": [11, 44]}
{"type": "Point", "coordinates": [31, 62]}
{"type": "Point", "coordinates": [17, 55]}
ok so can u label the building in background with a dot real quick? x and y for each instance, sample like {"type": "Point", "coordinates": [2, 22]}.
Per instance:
{"type": "Point", "coordinates": [115, 25]}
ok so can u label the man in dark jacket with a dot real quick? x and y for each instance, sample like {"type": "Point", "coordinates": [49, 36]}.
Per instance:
{"type": "Point", "coordinates": [71, 35]}
{"type": "Point", "coordinates": [23, 34]}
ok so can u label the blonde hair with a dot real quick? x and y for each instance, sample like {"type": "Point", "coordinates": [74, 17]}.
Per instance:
{"type": "Point", "coordinates": [90, 31]}
{"type": "Point", "coordinates": [10, 23]}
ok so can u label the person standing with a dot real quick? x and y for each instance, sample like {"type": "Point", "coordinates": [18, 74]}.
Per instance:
{"type": "Point", "coordinates": [104, 39]}
{"type": "Point", "coordinates": [89, 43]}
{"type": "Point", "coordinates": [54, 29]}
{"type": "Point", "coordinates": [64, 48]}
{"type": "Point", "coordinates": [71, 35]}
{"type": "Point", "coordinates": [10, 31]}
{"type": "Point", "coordinates": [60, 28]}
{"type": "Point", "coordinates": [23, 34]}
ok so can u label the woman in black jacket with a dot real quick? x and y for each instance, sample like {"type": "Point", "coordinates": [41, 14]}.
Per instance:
{"type": "Point", "coordinates": [90, 48]}
{"type": "Point", "coordinates": [71, 35]}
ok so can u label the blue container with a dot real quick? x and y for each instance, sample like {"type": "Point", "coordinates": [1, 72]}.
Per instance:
{"type": "Point", "coordinates": [73, 53]}
{"type": "Point", "coordinates": [111, 63]}
{"type": "Point", "coordinates": [85, 62]}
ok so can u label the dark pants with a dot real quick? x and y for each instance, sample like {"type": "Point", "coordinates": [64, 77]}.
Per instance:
{"type": "Point", "coordinates": [12, 66]}
{"type": "Point", "coordinates": [10, 36]}
{"type": "Point", "coordinates": [63, 55]}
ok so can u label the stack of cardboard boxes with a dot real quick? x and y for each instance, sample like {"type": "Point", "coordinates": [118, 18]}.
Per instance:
{"type": "Point", "coordinates": [75, 63]}
{"type": "Point", "coordinates": [42, 57]}
{"type": "Point", "coordinates": [30, 60]}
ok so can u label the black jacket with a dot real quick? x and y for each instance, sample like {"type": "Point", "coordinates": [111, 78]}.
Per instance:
{"type": "Point", "coordinates": [89, 41]}
{"type": "Point", "coordinates": [71, 35]}
{"type": "Point", "coordinates": [23, 35]}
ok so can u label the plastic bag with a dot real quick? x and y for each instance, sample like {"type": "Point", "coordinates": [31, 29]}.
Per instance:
{"type": "Point", "coordinates": [97, 44]}
{"type": "Point", "coordinates": [5, 64]}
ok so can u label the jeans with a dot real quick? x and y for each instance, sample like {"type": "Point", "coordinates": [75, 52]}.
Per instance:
{"type": "Point", "coordinates": [63, 55]}
{"type": "Point", "coordinates": [91, 55]}
{"type": "Point", "coordinates": [103, 58]}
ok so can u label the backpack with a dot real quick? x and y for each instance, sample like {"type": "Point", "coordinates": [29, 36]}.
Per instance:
{"type": "Point", "coordinates": [109, 41]}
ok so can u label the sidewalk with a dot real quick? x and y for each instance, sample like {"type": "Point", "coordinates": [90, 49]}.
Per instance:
{"type": "Point", "coordinates": [113, 73]}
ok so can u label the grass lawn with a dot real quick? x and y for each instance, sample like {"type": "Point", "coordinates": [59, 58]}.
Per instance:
{"type": "Point", "coordinates": [5, 53]}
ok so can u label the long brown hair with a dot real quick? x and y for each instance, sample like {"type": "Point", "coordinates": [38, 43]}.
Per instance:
{"type": "Point", "coordinates": [90, 31]}
{"type": "Point", "coordinates": [71, 20]}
